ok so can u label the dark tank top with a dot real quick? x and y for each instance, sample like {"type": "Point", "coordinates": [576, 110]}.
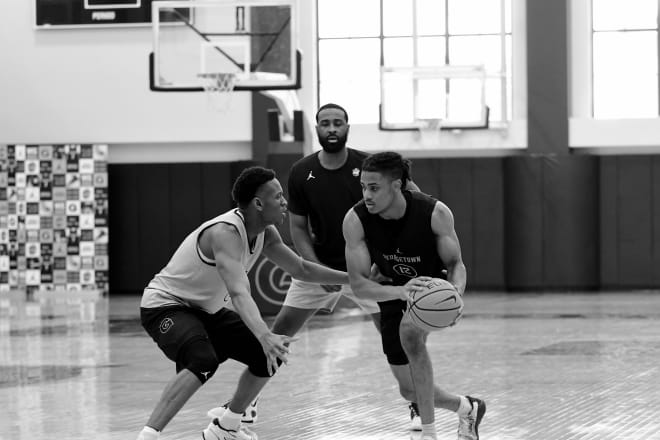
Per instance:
{"type": "Point", "coordinates": [404, 248]}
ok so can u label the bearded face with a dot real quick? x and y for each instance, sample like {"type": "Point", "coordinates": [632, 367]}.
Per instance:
{"type": "Point", "coordinates": [332, 130]}
{"type": "Point", "coordinates": [333, 143]}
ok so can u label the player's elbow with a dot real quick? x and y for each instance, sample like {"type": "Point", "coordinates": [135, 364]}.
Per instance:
{"type": "Point", "coordinates": [455, 265]}
{"type": "Point", "coordinates": [358, 285]}
{"type": "Point", "coordinates": [303, 270]}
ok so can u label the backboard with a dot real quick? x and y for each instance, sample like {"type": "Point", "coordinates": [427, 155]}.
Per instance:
{"type": "Point", "coordinates": [54, 14]}
{"type": "Point", "coordinates": [452, 96]}
{"type": "Point", "coordinates": [254, 40]}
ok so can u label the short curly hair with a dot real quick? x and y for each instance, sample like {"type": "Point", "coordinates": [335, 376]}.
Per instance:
{"type": "Point", "coordinates": [331, 105]}
{"type": "Point", "coordinates": [248, 183]}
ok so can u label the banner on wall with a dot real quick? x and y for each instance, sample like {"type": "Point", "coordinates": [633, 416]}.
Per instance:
{"type": "Point", "coordinates": [269, 284]}
{"type": "Point", "coordinates": [53, 217]}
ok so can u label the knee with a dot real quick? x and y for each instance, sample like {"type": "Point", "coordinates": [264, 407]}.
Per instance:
{"type": "Point", "coordinates": [260, 368]}
{"type": "Point", "coordinates": [288, 322]}
{"type": "Point", "coordinates": [412, 338]}
{"type": "Point", "coordinates": [200, 358]}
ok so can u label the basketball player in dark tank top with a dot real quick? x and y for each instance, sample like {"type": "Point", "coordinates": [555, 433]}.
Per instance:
{"type": "Point", "coordinates": [410, 236]}
{"type": "Point", "coordinates": [323, 186]}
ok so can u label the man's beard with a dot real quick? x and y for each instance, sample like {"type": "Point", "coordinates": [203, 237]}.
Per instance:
{"type": "Point", "coordinates": [333, 147]}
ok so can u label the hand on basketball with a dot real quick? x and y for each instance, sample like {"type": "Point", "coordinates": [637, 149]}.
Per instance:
{"type": "Point", "coordinates": [276, 347]}
{"type": "Point", "coordinates": [415, 285]}
{"type": "Point", "coordinates": [331, 287]}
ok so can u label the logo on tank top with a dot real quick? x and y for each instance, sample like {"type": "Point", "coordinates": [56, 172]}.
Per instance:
{"type": "Point", "coordinates": [310, 176]}
{"type": "Point", "coordinates": [166, 324]}
{"type": "Point", "coordinates": [356, 172]}
{"type": "Point", "coordinates": [405, 270]}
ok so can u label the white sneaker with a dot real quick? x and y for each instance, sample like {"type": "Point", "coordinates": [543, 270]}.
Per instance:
{"type": "Point", "coordinates": [415, 420]}
{"type": "Point", "coordinates": [148, 433]}
{"type": "Point", "coordinates": [216, 432]}
{"type": "Point", "coordinates": [249, 416]}
{"type": "Point", "coordinates": [468, 425]}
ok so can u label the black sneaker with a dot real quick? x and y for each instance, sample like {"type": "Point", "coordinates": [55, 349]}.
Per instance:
{"type": "Point", "coordinates": [468, 425]}
{"type": "Point", "coordinates": [415, 420]}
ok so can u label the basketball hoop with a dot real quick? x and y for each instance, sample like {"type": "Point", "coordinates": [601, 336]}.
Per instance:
{"type": "Point", "coordinates": [219, 89]}
{"type": "Point", "coordinates": [429, 131]}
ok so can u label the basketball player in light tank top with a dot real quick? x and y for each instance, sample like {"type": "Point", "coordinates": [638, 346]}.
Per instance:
{"type": "Point", "coordinates": [183, 307]}
{"type": "Point", "coordinates": [410, 236]}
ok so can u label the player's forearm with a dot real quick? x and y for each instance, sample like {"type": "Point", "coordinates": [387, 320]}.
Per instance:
{"type": "Point", "coordinates": [316, 273]}
{"type": "Point", "coordinates": [457, 275]}
{"type": "Point", "coordinates": [367, 289]}
{"type": "Point", "coordinates": [250, 314]}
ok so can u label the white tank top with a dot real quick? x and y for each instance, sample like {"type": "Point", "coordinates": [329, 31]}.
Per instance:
{"type": "Point", "coordinates": [190, 278]}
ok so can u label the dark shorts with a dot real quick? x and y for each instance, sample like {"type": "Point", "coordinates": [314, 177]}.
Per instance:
{"type": "Point", "coordinates": [391, 313]}
{"type": "Point", "coordinates": [173, 327]}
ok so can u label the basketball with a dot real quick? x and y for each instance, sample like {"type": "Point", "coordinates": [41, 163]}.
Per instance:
{"type": "Point", "coordinates": [438, 306]}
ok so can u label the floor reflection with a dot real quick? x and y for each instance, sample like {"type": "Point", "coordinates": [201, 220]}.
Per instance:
{"type": "Point", "coordinates": [551, 366]}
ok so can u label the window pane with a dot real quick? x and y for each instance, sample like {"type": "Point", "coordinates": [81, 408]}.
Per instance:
{"type": "Point", "coordinates": [464, 101]}
{"type": "Point", "coordinates": [430, 17]}
{"type": "Point", "coordinates": [397, 17]}
{"type": "Point", "coordinates": [508, 16]}
{"type": "Point", "coordinates": [486, 50]}
{"type": "Point", "coordinates": [456, 100]}
{"type": "Point", "coordinates": [431, 51]}
{"type": "Point", "coordinates": [348, 18]}
{"type": "Point", "coordinates": [617, 14]}
{"type": "Point", "coordinates": [432, 99]}
{"type": "Point", "coordinates": [494, 98]}
{"type": "Point", "coordinates": [349, 74]}
{"type": "Point", "coordinates": [398, 52]}
{"type": "Point", "coordinates": [509, 78]}
{"type": "Point", "coordinates": [625, 74]}
{"type": "Point", "coordinates": [611, 101]}
{"type": "Point", "coordinates": [399, 104]}
{"type": "Point", "coordinates": [474, 16]}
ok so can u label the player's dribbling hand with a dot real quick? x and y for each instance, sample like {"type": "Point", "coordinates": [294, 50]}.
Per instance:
{"type": "Point", "coordinates": [276, 347]}
{"type": "Point", "coordinates": [415, 285]}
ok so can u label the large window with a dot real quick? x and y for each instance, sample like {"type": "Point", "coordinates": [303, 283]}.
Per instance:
{"type": "Point", "coordinates": [614, 92]}
{"type": "Point", "coordinates": [625, 58]}
{"type": "Point", "coordinates": [357, 38]}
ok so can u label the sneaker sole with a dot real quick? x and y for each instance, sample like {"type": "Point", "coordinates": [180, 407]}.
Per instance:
{"type": "Point", "coordinates": [480, 415]}
{"type": "Point", "coordinates": [218, 414]}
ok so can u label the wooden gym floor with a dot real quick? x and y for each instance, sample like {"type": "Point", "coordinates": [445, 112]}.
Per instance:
{"type": "Point", "coordinates": [550, 366]}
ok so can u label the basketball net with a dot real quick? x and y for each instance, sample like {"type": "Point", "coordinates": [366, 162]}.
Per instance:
{"type": "Point", "coordinates": [219, 89]}
{"type": "Point", "coordinates": [429, 131]}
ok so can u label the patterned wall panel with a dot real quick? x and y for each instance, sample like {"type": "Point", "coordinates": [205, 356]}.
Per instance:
{"type": "Point", "coordinates": [53, 217]}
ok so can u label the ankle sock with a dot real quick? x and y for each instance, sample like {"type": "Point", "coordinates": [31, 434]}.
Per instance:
{"type": "Point", "coordinates": [464, 407]}
{"type": "Point", "coordinates": [148, 433]}
{"type": "Point", "coordinates": [428, 431]}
